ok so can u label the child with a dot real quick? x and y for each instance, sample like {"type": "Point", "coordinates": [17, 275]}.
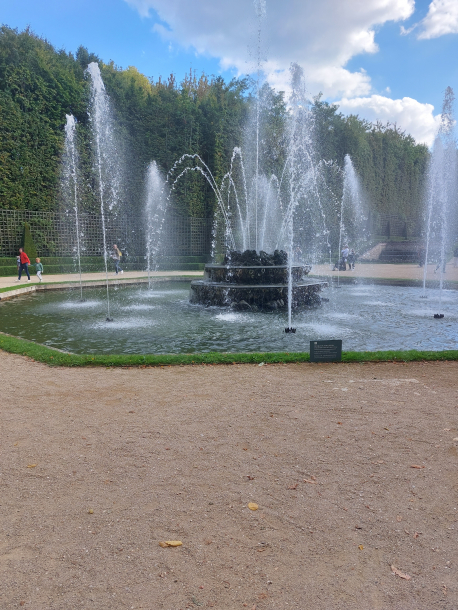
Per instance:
{"type": "Point", "coordinates": [38, 268]}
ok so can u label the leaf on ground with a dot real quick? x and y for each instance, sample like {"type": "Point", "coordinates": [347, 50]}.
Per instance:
{"type": "Point", "coordinates": [416, 534]}
{"type": "Point", "coordinates": [399, 573]}
{"type": "Point", "coordinates": [253, 506]}
{"type": "Point", "coordinates": [250, 478]}
{"type": "Point", "coordinates": [310, 481]}
{"type": "Point", "coordinates": [456, 439]}
{"type": "Point", "coordinates": [416, 466]}
{"type": "Point", "coordinates": [399, 518]}
{"type": "Point", "coordinates": [31, 465]}
{"type": "Point", "coordinates": [167, 543]}
{"type": "Point", "coordinates": [294, 486]}
{"type": "Point", "coordinates": [360, 546]}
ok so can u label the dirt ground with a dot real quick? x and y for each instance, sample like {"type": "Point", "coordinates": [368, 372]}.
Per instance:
{"type": "Point", "coordinates": [353, 467]}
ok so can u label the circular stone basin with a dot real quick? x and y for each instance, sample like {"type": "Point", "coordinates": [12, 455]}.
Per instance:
{"type": "Point", "coordinates": [255, 288]}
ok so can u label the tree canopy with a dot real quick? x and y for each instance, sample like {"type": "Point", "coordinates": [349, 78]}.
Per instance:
{"type": "Point", "coordinates": [164, 119]}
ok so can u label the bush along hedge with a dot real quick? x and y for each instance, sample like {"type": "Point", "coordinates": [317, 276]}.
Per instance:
{"type": "Point", "coordinates": [28, 243]}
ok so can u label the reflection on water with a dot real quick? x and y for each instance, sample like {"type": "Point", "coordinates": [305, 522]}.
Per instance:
{"type": "Point", "coordinates": [230, 316]}
{"type": "Point", "coordinates": [163, 321]}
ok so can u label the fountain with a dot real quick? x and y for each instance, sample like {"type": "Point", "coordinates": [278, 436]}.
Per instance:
{"type": "Point", "coordinates": [155, 208]}
{"type": "Point", "coordinates": [106, 157]}
{"type": "Point", "coordinates": [251, 282]}
{"type": "Point", "coordinates": [70, 183]}
{"type": "Point", "coordinates": [351, 217]}
{"type": "Point", "coordinates": [256, 216]}
{"type": "Point", "coordinates": [274, 202]}
{"type": "Point", "coordinates": [442, 194]}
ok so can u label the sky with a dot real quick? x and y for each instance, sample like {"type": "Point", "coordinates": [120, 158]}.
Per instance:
{"type": "Point", "coordinates": [387, 60]}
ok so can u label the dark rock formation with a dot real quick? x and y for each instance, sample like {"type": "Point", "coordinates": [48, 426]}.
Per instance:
{"type": "Point", "coordinates": [251, 282]}
{"type": "Point", "coordinates": [250, 258]}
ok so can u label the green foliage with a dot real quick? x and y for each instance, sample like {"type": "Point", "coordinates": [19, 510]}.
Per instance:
{"type": "Point", "coordinates": [392, 167]}
{"type": "Point", "coordinates": [38, 86]}
{"type": "Point", "coordinates": [164, 119]}
{"type": "Point", "coordinates": [29, 244]}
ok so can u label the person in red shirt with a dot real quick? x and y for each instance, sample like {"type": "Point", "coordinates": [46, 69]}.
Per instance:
{"type": "Point", "coordinates": [25, 262]}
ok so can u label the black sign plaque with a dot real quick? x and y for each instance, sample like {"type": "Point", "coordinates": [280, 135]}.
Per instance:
{"type": "Point", "coordinates": [326, 351]}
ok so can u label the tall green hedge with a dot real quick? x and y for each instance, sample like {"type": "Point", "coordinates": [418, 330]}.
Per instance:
{"type": "Point", "coordinates": [163, 120]}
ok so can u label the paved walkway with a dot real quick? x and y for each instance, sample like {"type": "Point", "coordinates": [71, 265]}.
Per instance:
{"type": "Point", "coordinates": [60, 278]}
{"type": "Point", "coordinates": [399, 271]}
{"type": "Point", "coordinates": [367, 270]}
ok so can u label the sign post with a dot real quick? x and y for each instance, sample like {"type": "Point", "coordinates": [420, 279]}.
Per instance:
{"type": "Point", "coordinates": [326, 351]}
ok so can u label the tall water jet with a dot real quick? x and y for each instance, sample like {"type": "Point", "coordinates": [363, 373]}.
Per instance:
{"type": "Point", "coordinates": [442, 202]}
{"type": "Point", "coordinates": [299, 181]}
{"type": "Point", "coordinates": [155, 208]}
{"type": "Point", "coordinates": [351, 218]}
{"type": "Point", "coordinates": [70, 187]}
{"type": "Point", "coordinates": [106, 162]}
{"type": "Point", "coordinates": [260, 7]}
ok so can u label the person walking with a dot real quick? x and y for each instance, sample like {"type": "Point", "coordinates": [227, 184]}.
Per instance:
{"type": "Point", "coordinates": [25, 262]}
{"type": "Point", "coordinates": [351, 259]}
{"type": "Point", "coordinates": [116, 256]}
{"type": "Point", "coordinates": [345, 252]}
{"type": "Point", "coordinates": [38, 268]}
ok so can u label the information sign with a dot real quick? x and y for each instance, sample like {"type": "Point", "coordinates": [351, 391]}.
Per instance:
{"type": "Point", "coordinates": [326, 351]}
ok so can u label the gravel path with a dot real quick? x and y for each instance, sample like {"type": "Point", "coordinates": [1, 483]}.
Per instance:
{"type": "Point", "coordinates": [353, 467]}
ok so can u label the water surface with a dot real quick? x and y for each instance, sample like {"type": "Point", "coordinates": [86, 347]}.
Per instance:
{"type": "Point", "coordinates": [163, 321]}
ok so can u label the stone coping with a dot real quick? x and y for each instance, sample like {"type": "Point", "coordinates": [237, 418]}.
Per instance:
{"type": "Point", "coordinates": [75, 285]}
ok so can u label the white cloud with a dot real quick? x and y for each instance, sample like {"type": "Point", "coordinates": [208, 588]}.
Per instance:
{"type": "Point", "coordinates": [322, 36]}
{"type": "Point", "coordinates": [409, 115]}
{"type": "Point", "coordinates": [442, 18]}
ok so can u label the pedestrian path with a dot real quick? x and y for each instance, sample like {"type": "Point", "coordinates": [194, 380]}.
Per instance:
{"type": "Point", "coordinates": [65, 278]}
{"type": "Point", "coordinates": [387, 271]}
{"type": "Point", "coordinates": [366, 270]}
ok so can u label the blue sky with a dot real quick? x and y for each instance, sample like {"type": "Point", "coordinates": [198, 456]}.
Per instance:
{"type": "Point", "coordinates": [381, 59]}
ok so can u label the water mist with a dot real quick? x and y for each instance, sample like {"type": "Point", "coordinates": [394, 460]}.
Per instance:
{"type": "Point", "coordinates": [106, 165]}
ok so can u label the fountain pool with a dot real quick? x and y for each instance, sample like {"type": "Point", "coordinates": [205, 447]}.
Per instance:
{"type": "Point", "coordinates": [161, 320]}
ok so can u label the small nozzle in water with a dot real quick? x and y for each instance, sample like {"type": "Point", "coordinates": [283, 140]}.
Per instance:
{"type": "Point", "coordinates": [438, 315]}
{"type": "Point", "coordinates": [109, 319]}
{"type": "Point", "coordinates": [290, 330]}
{"type": "Point", "coordinates": [423, 296]}
{"type": "Point", "coordinates": [82, 300]}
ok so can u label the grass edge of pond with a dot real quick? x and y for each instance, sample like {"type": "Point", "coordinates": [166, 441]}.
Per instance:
{"type": "Point", "coordinates": [55, 357]}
